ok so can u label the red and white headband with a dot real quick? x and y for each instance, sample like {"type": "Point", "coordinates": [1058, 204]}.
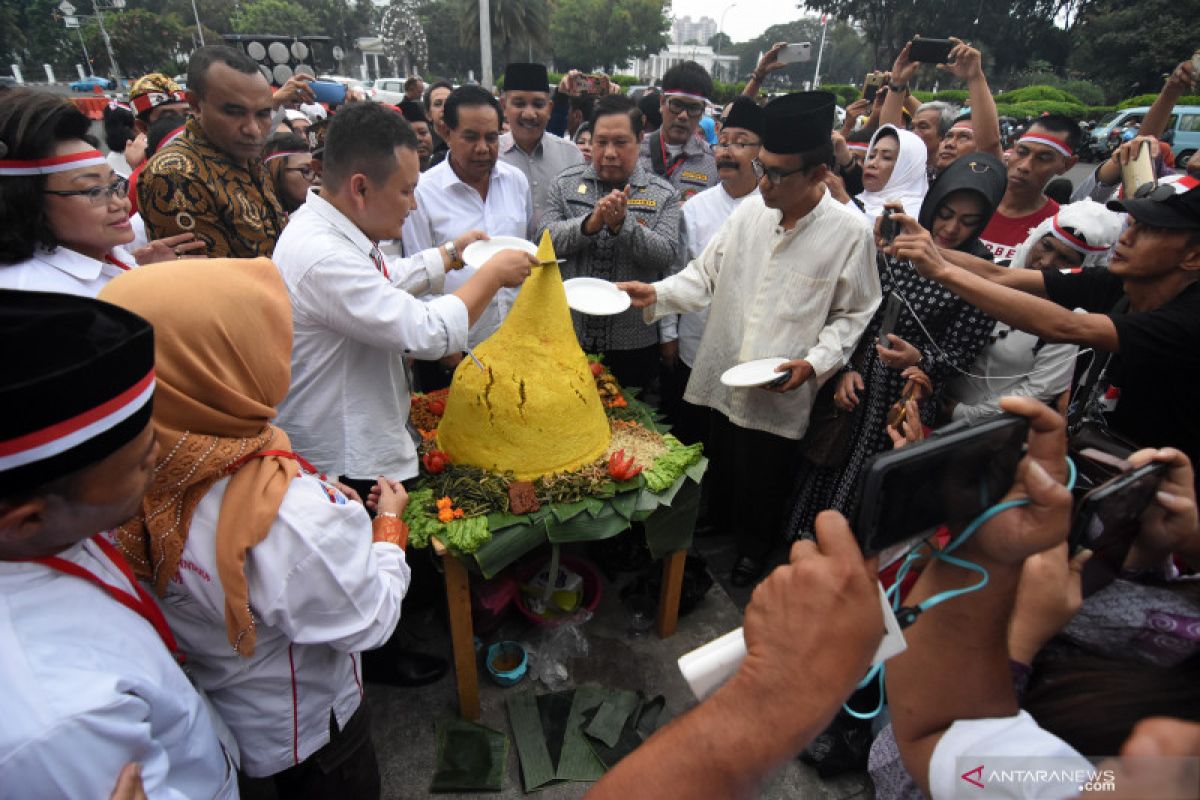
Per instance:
{"type": "Point", "coordinates": [1052, 142]}
{"type": "Point", "coordinates": [1073, 241]}
{"type": "Point", "coordinates": [145, 102]}
{"type": "Point", "coordinates": [46, 166]}
{"type": "Point", "coordinates": [62, 436]}
{"type": "Point", "coordinates": [963, 124]}
{"type": "Point", "coordinates": [689, 95]}
{"type": "Point", "coordinates": [858, 147]}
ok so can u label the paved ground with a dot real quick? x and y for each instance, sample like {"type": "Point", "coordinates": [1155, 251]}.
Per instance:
{"type": "Point", "coordinates": [405, 720]}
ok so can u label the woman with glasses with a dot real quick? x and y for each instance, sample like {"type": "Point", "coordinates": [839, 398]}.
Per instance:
{"type": "Point", "coordinates": [64, 213]}
{"type": "Point", "coordinates": [289, 161]}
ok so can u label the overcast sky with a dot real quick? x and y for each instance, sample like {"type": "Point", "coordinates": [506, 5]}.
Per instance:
{"type": "Point", "coordinates": [747, 18]}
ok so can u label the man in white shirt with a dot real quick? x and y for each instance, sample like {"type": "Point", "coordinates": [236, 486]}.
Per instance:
{"type": "Point", "coordinates": [791, 274]}
{"type": "Point", "coordinates": [737, 147]}
{"type": "Point", "coordinates": [527, 146]}
{"type": "Point", "coordinates": [354, 315]}
{"type": "Point", "coordinates": [471, 189]}
{"type": "Point", "coordinates": [88, 683]}
{"type": "Point", "coordinates": [355, 320]}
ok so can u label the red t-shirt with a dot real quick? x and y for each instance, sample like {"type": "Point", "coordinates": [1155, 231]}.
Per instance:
{"type": "Point", "coordinates": [1004, 234]}
{"type": "Point", "coordinates": [133, 179]}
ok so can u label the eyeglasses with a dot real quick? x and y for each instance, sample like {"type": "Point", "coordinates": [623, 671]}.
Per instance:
{"type": "Point", "coordinates": [740, 146]}
{"type": "Point", "coordinates": [308, 173]}
{"type": "Point", "coordinates": [774, 175]}
{"type": "Point", "coordinates": [97, 195]}
{"type": "Point", "coordinates": [677, 106]}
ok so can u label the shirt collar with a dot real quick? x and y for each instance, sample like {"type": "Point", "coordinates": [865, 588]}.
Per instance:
{"type": "Point", "coordinates": [640, 178]}
{"type": "Point", "coordinates": [343, 224]}
{"type": "Point", "coordinates": [77, 265]}
{"type": "Point", "coordinates": [204, 147]}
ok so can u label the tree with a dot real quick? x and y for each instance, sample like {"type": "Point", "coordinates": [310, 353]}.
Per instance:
{"type": "Point", "coordinates": [720, 41]}
{"type": "Point", "coordinates": [37, 37]}
{"type": "Point", "coordinates": [141, 40]}
{"type": "Point", "coordinates": [1011, 34]}
{"type": "Point", "coordinates": [846, 58]}
{"type": "Point", "coordinates": [517, 27]}
{"type": "Point", "coordinates": [1127, 47]}
{"type": "Point", "coordinates": [607, 33]}
{"type": "Point", "coordinates": [448, 57]}
{"type": "Point", "coordinates": [281, 17]}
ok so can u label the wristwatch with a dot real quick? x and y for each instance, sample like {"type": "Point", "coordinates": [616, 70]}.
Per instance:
{"type": "Point", "coordinates": [452, 254]}
{"type": "Point", "coordinates": [903, 87]}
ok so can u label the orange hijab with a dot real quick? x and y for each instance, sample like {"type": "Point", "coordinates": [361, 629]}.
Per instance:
{"type": "Point", "coordinates": [222, 348]}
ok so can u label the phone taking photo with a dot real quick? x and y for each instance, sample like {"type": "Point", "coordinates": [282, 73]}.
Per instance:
{"type": "Point", "coordinates": [889, 228]}
{"type": "Point", "coordinates": [950, 478]}
{"type": "Point", "coordinates": [1108, 520]}
{"type": "Point", "coordinates": [930, 51]}
{"type": "Point", "coordinates": [892, 307]}
{"type": "Point", "coordinates": [871, 85]}
{"type": "Point", "coordinates": [795, 53]}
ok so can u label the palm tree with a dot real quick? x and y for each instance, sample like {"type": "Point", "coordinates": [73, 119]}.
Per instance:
{"type": "Point", "coordinates": [516, 25]}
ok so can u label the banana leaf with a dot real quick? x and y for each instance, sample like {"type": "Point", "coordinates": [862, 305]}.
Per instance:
{"type": "Point", "coordinates": [537, 769]}
{"type": "Point", "coordinates": [577, 762]}
{"type": "Point", "coordinates": [470, 757]}
{"type": "Point", "coordinates": [610, 717]}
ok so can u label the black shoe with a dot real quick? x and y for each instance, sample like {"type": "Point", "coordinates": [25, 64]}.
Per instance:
{"type": "Point", "coordinates": [406, 668]}
{"type": "Point", "coordinates": [747, 570]}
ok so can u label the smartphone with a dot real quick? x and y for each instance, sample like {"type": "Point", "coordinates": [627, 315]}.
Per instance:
{"type": "Point", "coordinates": [871, 85]}
{"type": "Point", "coordinates": [1196, 63]}
{"type": "Point", "coordinates": [930, 51]}
{"type": "Point", "coordinates": [889, 228]}
{"type": "Point", "coordinates": [1138, 172]}
{"type": "Point", "coordinates": [329, 92]}
{"type": "Point", "coordinates": [783, 378]}
{"type": "Point", "coordinates": [892, 307]}
{"type": "Point", "coordinates": [1108, 520]}
{"type": "Point", "coordinates": [587, 84]}
{"type": "Point", "coordinates": [950, 478]}
{"type": "Point", "coordinates": [795, 53]}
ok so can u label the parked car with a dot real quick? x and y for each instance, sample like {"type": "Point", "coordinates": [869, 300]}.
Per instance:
{"type": "Point", "coordinates": [90, 83]}
{"type": "Point", "coordinates": [1184, 125]}
{"type": "Point", "coordinates": [389, 90]}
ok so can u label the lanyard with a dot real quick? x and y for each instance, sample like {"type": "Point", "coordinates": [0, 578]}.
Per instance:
{"type": "Point", "coordinates": [377, 257]}
{"type": "Point", "coordinates": [141, 604]}
{"type": "Point", "coordinates": [304, 463]}
{"type": "Point", "coordinates": [679, 159]}
{"type": "Point", "coordinates": [115, 263]}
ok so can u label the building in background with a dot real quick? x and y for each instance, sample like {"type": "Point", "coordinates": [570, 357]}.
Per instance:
{"type": "Point", "coordinates": [721, 67]}
{"type": "Point", "coordinates": [684, 31]}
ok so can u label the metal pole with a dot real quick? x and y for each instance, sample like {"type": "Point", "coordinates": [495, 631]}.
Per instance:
{"type": "Point", "coordinates": [112, 59]}
{"type": "Point", "coordinates": [820, 52]}
{"type": "Point", "coordinates": [199, 29]}
{"type": "Point", "coordinates": [87, 59]}
{"type": "Point", "coordinates": [485, 43]}
{"type": "Point", "coordinates": [721, 27]}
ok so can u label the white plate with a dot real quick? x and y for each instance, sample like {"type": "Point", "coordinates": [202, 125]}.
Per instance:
{"type": "Point", "coordinates": [476, 254]}
{"type": "Point", "coordinates": [595, 297]}
{"type": "Point", "coordinates": [753, 373]}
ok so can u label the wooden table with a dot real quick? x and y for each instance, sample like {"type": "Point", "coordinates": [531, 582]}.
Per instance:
{"type": "Point", "coordinates": [462, 628]}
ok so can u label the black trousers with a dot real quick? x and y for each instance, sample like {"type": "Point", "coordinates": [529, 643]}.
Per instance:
{"type": "Point", "coordinates": [635, 368]}
{"type": "Point", "coordinates": [689, 423]}
{"type": "Point", "coordinates": [345, 767]}
{"type": "Point", "coordinates": [751, 476]}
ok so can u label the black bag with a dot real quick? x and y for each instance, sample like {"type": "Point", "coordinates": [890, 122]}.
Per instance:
{"type": "Point", "coordinates": [830, 429]}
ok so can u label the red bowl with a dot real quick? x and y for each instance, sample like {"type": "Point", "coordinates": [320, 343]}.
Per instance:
{"type": "Point", "coordinates": [593, 589]}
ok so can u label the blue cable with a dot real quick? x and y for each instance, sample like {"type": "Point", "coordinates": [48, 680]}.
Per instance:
{"type": "Point", "coordinates": [908, 615]}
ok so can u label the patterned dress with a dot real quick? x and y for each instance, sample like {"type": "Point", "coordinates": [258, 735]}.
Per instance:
{"type": "Point", "coordinates": [960, 330]}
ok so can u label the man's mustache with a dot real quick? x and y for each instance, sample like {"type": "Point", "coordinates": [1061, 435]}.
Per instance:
{"type": "Point", "coordinates": [728, 163]}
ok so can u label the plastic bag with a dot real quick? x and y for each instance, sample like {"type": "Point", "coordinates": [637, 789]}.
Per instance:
{"type": "Point", "coordinates": [556, 648]}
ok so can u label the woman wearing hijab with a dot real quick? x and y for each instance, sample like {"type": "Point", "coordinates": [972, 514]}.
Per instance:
{"type": "Point", "coordinates": [1079, 236]}
{"type": "Point", "coordinates": [955, 211]}
{"type": "Point", "coordinates": [272, 579]}
{"type": "Point", "coordinates": [893, 172]}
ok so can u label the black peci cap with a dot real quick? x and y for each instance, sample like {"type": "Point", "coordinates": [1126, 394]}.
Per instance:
{"type": "Point", "coordinates": [798, 122]}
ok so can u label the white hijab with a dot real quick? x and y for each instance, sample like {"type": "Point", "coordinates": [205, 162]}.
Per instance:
{"type": "Point", "coordinates": [908, 183]}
